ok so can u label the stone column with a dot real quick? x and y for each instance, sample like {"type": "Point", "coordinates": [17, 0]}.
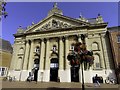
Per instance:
{"type": "Point", "coordinates": [66, 53]}
{"type": "Point", "coordinates": [12, 64]}
{"type": "Point", "coordinates": [61, 60]}
{"type": "Point", "coordinates": [67, 65]}
{"type": "Point", "coordinates": [88, 46]}
{"type": "Point", "coordinates": [27, 49]}
{"type": "Point", "coordinates": [30, 65]}
{"type": "Point", "coordinates": [47, 61]}
{"type": "Point", "coordinates": [79, 38]}
{"type": "Point", "coordinates": [46, 74]}
{"type": "Point", "coordinates": [42, 52]}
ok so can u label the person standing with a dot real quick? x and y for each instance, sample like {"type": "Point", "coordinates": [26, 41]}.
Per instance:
{"type": "Point", "coordinates": [97, 83]}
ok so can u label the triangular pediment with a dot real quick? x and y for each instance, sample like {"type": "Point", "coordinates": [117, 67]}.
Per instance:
{"type": "Point", "coordinates": [55, 21]}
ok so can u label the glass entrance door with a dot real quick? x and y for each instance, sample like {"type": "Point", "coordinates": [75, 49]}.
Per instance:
{"type": "Point", "coordinates": [74, 74]}
{"type": "Point", "coordinates": [35, 69]}
{"type": "Point", "coordinates": [54, 69]}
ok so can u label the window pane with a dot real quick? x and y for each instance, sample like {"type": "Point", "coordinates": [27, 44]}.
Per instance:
{"type": "Point", "coordinates": [3, 69]}
{"type": "Point", "coordinates": [118, 37]}
{"type": "Point", "coordinates": [71, 47]}
{"type": "Point", "coordinates": [52, 65]}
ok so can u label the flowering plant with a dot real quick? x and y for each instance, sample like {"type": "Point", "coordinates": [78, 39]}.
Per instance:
{"type": "Point", "coordinates": [81, 55]}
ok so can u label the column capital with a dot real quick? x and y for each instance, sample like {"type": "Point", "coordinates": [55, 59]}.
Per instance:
{"type": "Point", "coordinates": [66, 36]}
{"type": "Point", "coordinates": [32, 40]}
{"type": "Point", "coordinates": [47, 38]}
{"type": "Point", "coordinates": [59, 38]}
{"type": "Point", "coordinates": [78, 35]}
{"type": "Point", "coordinates": [41, 39]}
{"type": "Point", "coordinates": [27, 41]}
{"type": "Point", "coordinates": [44, 39]}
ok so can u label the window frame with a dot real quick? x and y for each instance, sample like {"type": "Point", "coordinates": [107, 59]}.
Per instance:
{"type": "Point", "coordinates": [37, 50]}
{"type": "Point", "coordinates": [118, 38]}
{"type": "Point", "coordinates": [72, 47]}
{"type": "Point", "coordinates": [54, 48]}
{"type": "Point", "coordinates": [3, 72]}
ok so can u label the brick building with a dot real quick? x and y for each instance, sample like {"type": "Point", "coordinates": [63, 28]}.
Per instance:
{"type": "Point", "coordinates": [114, 34]}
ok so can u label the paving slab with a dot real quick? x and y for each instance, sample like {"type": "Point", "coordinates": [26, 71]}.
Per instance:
{"type": "Point", "coordinates": [6, 85]}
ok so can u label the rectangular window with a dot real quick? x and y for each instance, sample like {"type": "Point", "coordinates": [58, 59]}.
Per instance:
{"type": "Point", "coordinates": [71, 47]}
{"type": "Point", "coordinates": [118, 38]}
{"type": "Point", "coordinates": [54, 48]}
{"type": "Point", "coordinates": [2, 71]}
{"type": "Point", "coordinates": [54, 65]}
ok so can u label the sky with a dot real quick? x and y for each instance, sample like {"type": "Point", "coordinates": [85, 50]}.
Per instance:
{"type": "Point", "coordinates": [24, 13]}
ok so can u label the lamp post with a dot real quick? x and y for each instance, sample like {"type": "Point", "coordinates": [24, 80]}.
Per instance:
{"type": "Point", "coordinates": [83, 86]}
{"type": "Point", "coordinates": [79, 56]}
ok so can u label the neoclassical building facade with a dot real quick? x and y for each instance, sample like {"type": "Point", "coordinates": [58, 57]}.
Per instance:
{"type": "Point", "coordinates": [41, 50]}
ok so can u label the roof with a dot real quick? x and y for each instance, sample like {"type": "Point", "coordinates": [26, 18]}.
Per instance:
{"type": "Point", "coordinates": [5, 46]}
{"type": "Point", "coordinates": [56, 14]}
{"type": "Point", "coordinates": [114, 29]}
{"type": "Point", "coordinates": [92, 20]}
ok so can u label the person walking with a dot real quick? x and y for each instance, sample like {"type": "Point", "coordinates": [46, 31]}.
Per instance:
{"type": "Point", "coordinates": [97, 83]}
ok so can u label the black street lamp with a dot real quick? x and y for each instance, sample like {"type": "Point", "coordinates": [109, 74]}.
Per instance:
{"type": "Point", "coordinates": [79, 56]}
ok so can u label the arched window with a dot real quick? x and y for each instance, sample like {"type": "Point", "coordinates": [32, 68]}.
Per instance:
{"type": "Point", "coordinates": [97, 63]}
{"type": "Point", "coordinates": [95, 46]}
{"type": "Point", "coordinates": [54, 48]}
{"type": "Point", "coordinates": [21, 51]}
{"type": "Point", "coordinates": [37, 50]}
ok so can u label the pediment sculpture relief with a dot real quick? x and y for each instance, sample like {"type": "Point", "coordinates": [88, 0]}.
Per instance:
{"type": "Point", "coordinates": [54, 24]}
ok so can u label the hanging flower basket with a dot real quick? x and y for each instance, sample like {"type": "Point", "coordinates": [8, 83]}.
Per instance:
{"type": "Point", "coordinates": [81, 55]}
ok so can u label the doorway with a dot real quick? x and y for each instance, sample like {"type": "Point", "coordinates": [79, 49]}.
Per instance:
{"type": "Point", "coordinates": [35, 69]}
{"type": "Point", "coordinates": [35, 74]}
{"type": "Point", "coordinates": [54, 69]}
{"type": "Point", "coordinates": [75, 74]}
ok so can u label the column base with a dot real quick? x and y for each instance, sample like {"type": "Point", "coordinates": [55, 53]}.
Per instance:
{"type": "Point", "coordinates": [24, 75]}
{"type": "Point", "coordinates": [44, 75]}
{"type": "Point", "coordinates": [65, 75]}
{"type": "Point", "coordinates": [16, 74]}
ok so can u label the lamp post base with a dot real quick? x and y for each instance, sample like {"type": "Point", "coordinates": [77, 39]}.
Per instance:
{"type": "Point", "coordinates": [83, 87]}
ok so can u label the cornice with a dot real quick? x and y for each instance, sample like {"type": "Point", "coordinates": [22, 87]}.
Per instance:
{"type": "Point", "coordinates": [102, 25]}
{"type": "Point", "coordinates": [50, 31]}
{"type": "Point", "coordinates": [57, 15]}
